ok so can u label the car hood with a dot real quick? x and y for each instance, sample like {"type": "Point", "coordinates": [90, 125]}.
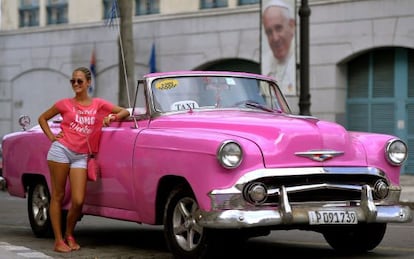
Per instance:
{"type": "Point", "coordinates": [285, 140]}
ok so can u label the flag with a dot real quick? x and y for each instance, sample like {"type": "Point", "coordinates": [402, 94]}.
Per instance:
{"type": "Point", "coordinates": [92, 67]}
{"type": "Point", "coordinates": [112, 14]}
{"type": "Point", "coordinates": [152, 60]}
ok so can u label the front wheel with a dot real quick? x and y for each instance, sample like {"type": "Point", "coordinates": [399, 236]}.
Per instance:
{"type": "Point", "coordinates": [185, 238]}
{"type": "Point", "coordinates": [38, 209]}
{"type": "Point", "coordinates": [355, 239]}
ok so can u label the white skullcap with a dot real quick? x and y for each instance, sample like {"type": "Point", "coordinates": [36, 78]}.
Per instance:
{"type": "Point", "coordinates": [278, 3]}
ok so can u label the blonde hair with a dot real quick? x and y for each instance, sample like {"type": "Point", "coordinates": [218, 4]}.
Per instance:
{"type": "Point", "coordinates": [86, 71]}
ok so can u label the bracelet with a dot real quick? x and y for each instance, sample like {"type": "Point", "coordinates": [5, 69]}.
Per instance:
{"type": "Point", "coordinates": [115, 116]}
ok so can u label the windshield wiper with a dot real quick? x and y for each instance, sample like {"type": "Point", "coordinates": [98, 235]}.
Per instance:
{"type": "Point", "coordinates": [256, 105]}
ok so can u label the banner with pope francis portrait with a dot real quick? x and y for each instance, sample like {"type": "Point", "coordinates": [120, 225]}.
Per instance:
{"type": "Point", "coordinates": [278, 44]}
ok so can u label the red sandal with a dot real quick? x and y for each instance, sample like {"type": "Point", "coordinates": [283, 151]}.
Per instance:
{"type": "Point", "coordinates": [62, 247]}
{"type": "Point", "coordinates": [72, 243]}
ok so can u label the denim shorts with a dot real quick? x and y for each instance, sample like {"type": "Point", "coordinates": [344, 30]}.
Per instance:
{"type": "Point", "coordinates": [61, 154]}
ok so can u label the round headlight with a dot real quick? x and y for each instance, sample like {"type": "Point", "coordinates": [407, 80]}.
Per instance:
{"type": "Point", "coordinates": [396, 151]}
{"type": "Point", "coordinates": [230, 154]}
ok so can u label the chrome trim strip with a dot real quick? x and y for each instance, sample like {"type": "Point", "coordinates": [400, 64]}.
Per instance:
{"type": "Point", "coordinates": [320, 155]}
{"type": "Point", "coordinates": [280, 172]}
{"type": "Point", "coordinates": [301, 188]}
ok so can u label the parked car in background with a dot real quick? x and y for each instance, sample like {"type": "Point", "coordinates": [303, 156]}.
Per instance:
{"type": "Point", "coordinates": [2, 181]}
{"type": "Point", "coordinates": [1, 161]}
{"type": "Point", "coordinates": [218, 157]}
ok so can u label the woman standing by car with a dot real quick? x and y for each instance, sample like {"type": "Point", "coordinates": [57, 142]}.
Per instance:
{"type": "Point", "coordinates": [82, 120]}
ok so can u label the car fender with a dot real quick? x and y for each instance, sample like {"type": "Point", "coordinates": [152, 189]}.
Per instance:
{"type": "Point", "coordinates": [164, 153]}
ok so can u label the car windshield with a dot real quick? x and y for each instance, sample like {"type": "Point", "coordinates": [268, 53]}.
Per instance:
{"type": "Point", "coordinates": [216, 92]}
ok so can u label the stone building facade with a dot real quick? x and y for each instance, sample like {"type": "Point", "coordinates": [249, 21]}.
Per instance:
{"type": "Point", "coordinates": [361, 56]}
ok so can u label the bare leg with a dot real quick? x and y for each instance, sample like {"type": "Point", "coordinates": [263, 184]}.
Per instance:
{"type": "Point", "coordinates": [78, 180]}
{"type": "Point", "coordinates": [58, 176]}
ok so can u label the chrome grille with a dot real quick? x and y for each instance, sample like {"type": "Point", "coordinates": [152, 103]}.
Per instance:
{"type": "Point", "coordinates": [318, 187]}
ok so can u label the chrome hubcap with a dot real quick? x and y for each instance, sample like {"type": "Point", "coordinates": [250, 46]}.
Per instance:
{"type": "Point", "coordinates": [40, 205]}
{"type": "Point", "coordinates": [186, 229]}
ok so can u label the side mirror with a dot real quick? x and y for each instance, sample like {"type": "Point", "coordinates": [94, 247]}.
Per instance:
{"type": "Point", "coordinates": [24, 121]}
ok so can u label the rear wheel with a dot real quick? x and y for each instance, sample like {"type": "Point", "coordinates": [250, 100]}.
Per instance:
{"type": "Point", "coordinates": [355, 239]}
{"type": "Point", "coordinates": [38, 202]}
{"type": "Point", "coordinates": [38, 209]}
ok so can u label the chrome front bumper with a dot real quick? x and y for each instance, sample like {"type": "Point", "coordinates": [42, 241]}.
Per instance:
{"type": "Point", "coordinates": [286, 214]}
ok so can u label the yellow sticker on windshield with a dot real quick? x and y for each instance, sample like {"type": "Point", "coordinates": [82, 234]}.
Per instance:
{"type": "Point", "coordinates": [166, 84]}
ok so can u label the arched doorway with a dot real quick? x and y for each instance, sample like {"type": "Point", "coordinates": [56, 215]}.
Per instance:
{"type": "Point", "coordinates": [381, 95]}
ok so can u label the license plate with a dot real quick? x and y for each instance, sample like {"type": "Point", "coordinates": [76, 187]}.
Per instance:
{"type": "Point", "coordinates": [319, 217]}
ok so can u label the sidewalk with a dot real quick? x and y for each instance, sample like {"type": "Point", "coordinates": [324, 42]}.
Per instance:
{"type": "Point", "coordinates": [407, 185]}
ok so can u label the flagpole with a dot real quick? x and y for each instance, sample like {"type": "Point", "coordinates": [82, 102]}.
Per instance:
{"type": "Point", "coordinates": [114, 15]}
{"type": "Point", "coordinates": [92, 68]}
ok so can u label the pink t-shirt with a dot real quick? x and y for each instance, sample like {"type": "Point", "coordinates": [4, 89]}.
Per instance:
{"type": "Point", "coordinates": [81, 124]}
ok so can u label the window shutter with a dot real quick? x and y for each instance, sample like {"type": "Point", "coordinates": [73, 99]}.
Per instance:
{"type": "Point", "coordinates": [383, 73]}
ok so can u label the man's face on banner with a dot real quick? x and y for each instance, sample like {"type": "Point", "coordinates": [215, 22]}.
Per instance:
{"type": "Point", "coordinates": [279, 29]}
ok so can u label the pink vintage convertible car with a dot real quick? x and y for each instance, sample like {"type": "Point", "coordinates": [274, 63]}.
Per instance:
{"type": "Point", "coordinates": [216, 157]}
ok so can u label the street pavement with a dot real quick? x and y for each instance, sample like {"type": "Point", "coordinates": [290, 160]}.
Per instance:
{"type": "Point", "coordinates": [8, 251]}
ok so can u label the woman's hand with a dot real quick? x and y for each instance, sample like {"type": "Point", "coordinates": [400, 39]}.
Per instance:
{"type": "Point", "coordinates": [57, 136]}
{"type": "Point", "coordinates": [108, 119]}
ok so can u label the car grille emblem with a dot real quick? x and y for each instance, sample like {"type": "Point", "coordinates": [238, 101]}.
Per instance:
{"type": "Point", "coordinates": [320, 155]}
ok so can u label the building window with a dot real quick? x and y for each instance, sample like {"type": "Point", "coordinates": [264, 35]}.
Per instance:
{"type": "Point", "coordinates": [247, 2]}
{"type": "Point", "coordinates": [206, 4]}
{"type": "Point", "coordinates": [143, 7]}
{"type": "Point", "coordinates": [29, 13]}
{"type": "Point", "coordinates": [57, 11]}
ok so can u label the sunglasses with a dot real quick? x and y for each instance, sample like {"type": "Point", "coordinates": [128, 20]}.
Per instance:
{"type": "Point", "coordinates": [79, 81]}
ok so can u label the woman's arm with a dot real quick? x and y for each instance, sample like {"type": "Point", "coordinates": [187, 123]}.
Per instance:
{"type": "Point", "coordinates": [44, 117]}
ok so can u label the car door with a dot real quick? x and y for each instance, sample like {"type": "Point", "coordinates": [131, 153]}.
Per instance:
{"type": "Point", "coordinates": [115, 188]}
